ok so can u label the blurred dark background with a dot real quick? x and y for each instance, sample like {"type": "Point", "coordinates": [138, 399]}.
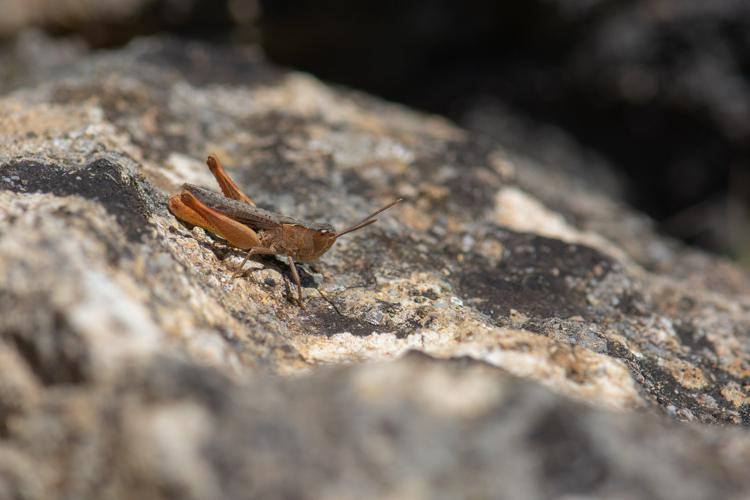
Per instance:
{"type": "Point", "coordinates": [654, 94]}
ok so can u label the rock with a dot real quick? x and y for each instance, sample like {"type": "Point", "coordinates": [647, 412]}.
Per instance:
{"type": "Point", "coordinates": [660, 90]}
{"type": "Point", "coordinates": [18, 14]}
{"type": "Point", "coordinates": [112, 23]}
{"type": "Point", "coordinates": [415, 428]}
{"type": "Point", "coordinates": [139, 365]}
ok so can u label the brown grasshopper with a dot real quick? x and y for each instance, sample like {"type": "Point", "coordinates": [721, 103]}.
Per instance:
{"type": "Point", "coordinates": [235, 218]}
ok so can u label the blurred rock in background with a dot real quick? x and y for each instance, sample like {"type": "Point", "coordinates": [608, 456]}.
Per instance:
{"type": "Point", "coordinates": [661, 90]}
{"type": "Point", "coordinates": [114, 22]}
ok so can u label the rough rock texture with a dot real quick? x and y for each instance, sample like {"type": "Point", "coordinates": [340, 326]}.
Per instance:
{"type": "Point", "coordinates": [133, 362]}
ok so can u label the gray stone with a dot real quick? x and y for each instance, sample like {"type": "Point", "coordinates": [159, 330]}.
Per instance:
{"type": "Point", "coordinates": [136, 366]}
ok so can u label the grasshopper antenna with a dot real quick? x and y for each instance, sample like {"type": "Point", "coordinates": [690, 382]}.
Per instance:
{"type": "Point", "coordinates": [369, 219]}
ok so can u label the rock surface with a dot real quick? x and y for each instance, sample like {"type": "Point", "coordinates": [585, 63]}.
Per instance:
{"type": "Point", "coordinates": [133, 361]}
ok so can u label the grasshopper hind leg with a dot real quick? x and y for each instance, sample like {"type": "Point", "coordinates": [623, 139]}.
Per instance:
{"type": "Point", "coordinates": [227, 185]}
{"type": "Point", "coordinates": [237, 234]}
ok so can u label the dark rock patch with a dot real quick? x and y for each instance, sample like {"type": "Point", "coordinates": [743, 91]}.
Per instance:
{"type": "Point", "coordinates": [130, 200]}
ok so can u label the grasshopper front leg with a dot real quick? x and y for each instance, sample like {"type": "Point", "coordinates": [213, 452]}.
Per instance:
{"type": "Point", "coordinates": [297, 281]}
{"type": "Point", "coordinates": [250, 253]}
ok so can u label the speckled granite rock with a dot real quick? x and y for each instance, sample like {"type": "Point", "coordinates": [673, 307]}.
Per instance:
{"type": "Point", "coordinates": [135, 358]}
{"type": "Point", "coordinates": [415, 428]}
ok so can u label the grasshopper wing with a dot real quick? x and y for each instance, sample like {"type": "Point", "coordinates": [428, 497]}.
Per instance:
{"type": "Point", "coordinates": [254, 217]}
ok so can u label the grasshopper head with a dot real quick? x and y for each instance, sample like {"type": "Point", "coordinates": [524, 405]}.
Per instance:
{"type": "Point", "coordinates": [324, 237]}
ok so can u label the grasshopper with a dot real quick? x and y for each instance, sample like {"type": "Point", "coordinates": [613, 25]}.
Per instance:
{"type": "Point", "coordinates": [234, 217]}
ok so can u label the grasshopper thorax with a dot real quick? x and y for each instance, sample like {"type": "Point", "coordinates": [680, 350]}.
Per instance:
{"type": "Point", "coordinates": [304, 242]}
